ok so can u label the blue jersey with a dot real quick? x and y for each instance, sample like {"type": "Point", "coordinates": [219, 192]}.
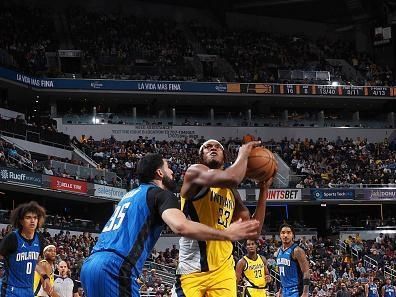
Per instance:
{"type": "Point", "coordinates": [125, 242]}
{"type": "Point", "coordinates": [129, 232]}
{"type": "Point", "coordinates": [389, 291]}
{"type": "Point", "coordinates": [372, 290]}
{"type": "Point", "coordinates": [21, 256]}
{"type": "Point", "coordinates": [289, 270]}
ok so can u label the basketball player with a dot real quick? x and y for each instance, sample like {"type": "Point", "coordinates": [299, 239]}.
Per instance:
{"type": "Point", "coordinates": [47, 265]}
{"type": "Point", "coordinates": [64, 286]}
{"type": "Point", "coordinates": [253, 269]}
{"type": "Point", "coordinates": [388, 290]}
{"type": "Point", "coordinates": [21, 249]}
{"type": "Point", "coordinates": [206, 268]}
{"type": "Point", "coordinates": [371, 288]}
{"type": "Point", "coordinates": [128, 237]}
{"type": "Point", "coordinates": [293, 265]}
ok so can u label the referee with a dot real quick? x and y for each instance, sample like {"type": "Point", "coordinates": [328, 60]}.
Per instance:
{"type": "Point", "coordinates": [64, 285]}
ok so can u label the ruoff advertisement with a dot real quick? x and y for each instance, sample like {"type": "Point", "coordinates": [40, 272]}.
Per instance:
{"type": "Point", "coordinates": [20, 176]}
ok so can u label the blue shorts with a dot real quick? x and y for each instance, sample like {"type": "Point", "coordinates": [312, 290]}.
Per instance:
{"type": "Point", "coordinates": [291, 292]}
{"type": "Point", "coordinates": [104, 274]}
{"type": "Point", "coordinates": [10, 291]}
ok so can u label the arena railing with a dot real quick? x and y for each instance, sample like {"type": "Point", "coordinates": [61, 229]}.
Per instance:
{"type": "Point", "coordinates": [389, 272]}
{"type": "Point", "coordinates": [167, 273]}
{"type": "Point", "coordinates": [369, 262]}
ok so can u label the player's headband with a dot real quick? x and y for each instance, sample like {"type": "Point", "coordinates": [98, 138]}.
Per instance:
{"type": "Point", "coordinates": [50, 246]}
{"type": "Point", "coordinates": [208, 141]}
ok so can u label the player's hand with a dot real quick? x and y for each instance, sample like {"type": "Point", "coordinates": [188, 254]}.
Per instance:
{"type": "Point", "coordinates": [265, 185]}
{"type": "Point", "coordinates": [242, 229]}
{"type": "Point", "coordinates": [246, 148]}
{"type": "Point", "coordinates": [47, 286]}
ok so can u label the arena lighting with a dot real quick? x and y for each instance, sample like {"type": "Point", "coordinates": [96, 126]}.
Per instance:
{"type": "Point", "coordinates": [334, 83]}
{"type": "Point", "coordinates": [95, 120]}
{"type": "Point", "coordinates": [323, 204]}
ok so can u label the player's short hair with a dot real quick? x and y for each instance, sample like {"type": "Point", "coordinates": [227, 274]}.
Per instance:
{"type": "Point", "coordinates": [19, 213]}
{"type": "Point", "coordinates": [147, 166]}
{"type": "Point", "coordinates": [286, 225]}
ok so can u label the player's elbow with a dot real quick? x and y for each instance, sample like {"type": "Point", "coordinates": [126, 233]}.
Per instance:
{"type": "Point", "coordinates": [179, 228]}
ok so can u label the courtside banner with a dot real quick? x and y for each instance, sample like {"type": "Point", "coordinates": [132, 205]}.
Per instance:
{"type": "Point", "coordinates": [20, 176]}
{"type": "Point", "coordinates": [332, 194]}
{"type": "Point", "coordinates": [109, 192]}
{"type": "Point", "coordinates": [379, 194]}
{"type": "Point", "coordinates": [282, 194]}
{"type": "Point", "coordinates": [134, 86]}
{"type": "Point", "coordinates": [69, 185]}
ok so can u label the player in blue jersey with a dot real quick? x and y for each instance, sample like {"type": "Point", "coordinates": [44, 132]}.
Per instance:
{"type": "Point", "coordinates": [371, 288]}
{"type": "Point", "coordinates": [20, 250]}
{"type": "Point", "coordinates": [126, 240]}
{"type": "Point", "coordinates": [293, 266]}
{"type": "Point", "coordinates": [388, 290]}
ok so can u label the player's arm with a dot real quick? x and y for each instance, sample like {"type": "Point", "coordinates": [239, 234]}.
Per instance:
{"type": "Point", "coordinates": [268, 277]}
{"type": "Point", "coordinates": [199, 175]}
{"type": "Point", "coordinates": [177, 221]}
{"type": "Point", "coordinates": [45, 269]}
{"type": "Point", "coordinates": [302, 260]}
{"type": "Point", "coordinates": [259, 214]}
{"type": "Point", "coordinates": [383, 291]}
{"type": "Point", "coordinates": [240, 211]}
{"type": "Point", "coordinates": [366, 289]}
{"type": "Point", "coordinates": [8, 245]}
{"type": "Point", "coordinates": [240, 267]}
{"type": "Point", "coordinates": [168, 208]}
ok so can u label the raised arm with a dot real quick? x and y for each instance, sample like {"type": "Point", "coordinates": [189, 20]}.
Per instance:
{"type": "Point", "coordinates": [259, 214]}
{"type": "Point", "coordinates": [199, 175]}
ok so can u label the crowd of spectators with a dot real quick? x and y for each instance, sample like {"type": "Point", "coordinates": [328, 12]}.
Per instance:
{"type": "Point", "coordinates": [333, 267]}
{"type": "Point", "coordinates": [121, 46]}
{"type": "Point", "coordinates": [27, 33]}
{"type": "Point", "coordinates": [130, 47]}
{"type": "Point", "coordinates": [318, 163]}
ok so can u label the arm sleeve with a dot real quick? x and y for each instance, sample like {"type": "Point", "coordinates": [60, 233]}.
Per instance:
{"type": "Point", "coordinates": [8, 245]}
{"type": "Point", "coordinates": [166, 200]}
{"type": "Point", "coordinates": [42, 243]}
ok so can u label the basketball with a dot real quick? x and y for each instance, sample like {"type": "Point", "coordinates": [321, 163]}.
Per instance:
{"type": "Point", "coordinates": [261, 164]}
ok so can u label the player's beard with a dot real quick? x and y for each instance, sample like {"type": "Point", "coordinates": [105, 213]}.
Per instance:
{"type": "Point", "coordinates": [169, 183]}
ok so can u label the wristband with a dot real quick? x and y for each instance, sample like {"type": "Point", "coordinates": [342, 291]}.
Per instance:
{"type": "Point", "coordinates": [306, 281]}
{"type": "Point", "coordinates": [45, 276]}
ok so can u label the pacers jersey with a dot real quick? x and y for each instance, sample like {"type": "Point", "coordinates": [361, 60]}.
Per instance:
{"type": "Point", "coordinates": [289, 270]}
{"type": "Point", "coordinates": [213, 207]}
{"type": "Point", "coordinates": [38, 286]}
{"type": "Point", "coordinates": [20, 265]}
{"type": "Point", "coordinates": [132, 230]}
{"type": "Point", "coordinates": [254, 272]}
{"type": "Point", "coordinates": [372, 290]}
{"type": "Point", "coordinates": [389, 291]}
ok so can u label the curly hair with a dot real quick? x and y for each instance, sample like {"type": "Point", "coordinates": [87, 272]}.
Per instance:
{"type": "Point", "coordinates": [19, 213]}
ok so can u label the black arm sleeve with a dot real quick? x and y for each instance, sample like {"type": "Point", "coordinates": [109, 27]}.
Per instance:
{"type": "Point", "coordinates": [42, 243]}
{"type": "Point", "coordinates": [9, 244]}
